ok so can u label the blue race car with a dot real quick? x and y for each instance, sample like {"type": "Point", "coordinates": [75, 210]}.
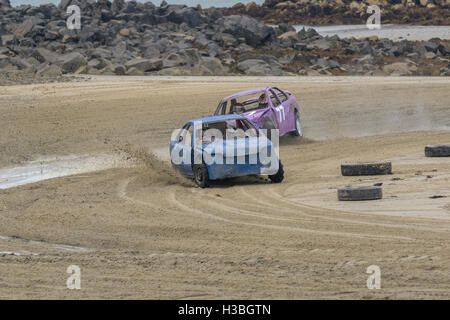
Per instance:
{"type": "Point", "coordinates": [224, 146]}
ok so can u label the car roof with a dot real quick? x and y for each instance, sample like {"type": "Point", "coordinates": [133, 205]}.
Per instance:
{"type": "Point", "coordinates": [225, 117]}
{"type": "Point", "coordinates": [243, 93]}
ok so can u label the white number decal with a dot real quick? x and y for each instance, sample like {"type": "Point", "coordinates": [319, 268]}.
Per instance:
{"type": "Point", "coordinates": [281, 112]}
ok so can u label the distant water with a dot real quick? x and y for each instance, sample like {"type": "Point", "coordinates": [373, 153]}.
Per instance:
{"type": "Point", "coordinates": [191, 3]}
{"type": "Point", "coordinates": [390, 31]}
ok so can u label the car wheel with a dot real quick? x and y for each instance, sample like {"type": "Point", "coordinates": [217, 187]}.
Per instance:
{"type": "Point", "coordinates": [201, 177]}
{"type": "Point", "coordinates": [366, 168]}
{"type": "Point", "coordinates": [437, 150]}
{"type": "Point", "coordinates": [298, 126]}
{"type": "Point", "coordinates": [361, 193]}
{"type": "Point", "coordinates": [279, 176]}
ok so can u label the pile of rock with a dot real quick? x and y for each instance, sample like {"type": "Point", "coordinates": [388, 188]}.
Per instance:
{"type": "Point", "coordinates": [126, 38]}
{"type": "Point", "coordinates": [431, 12]}
{"type": "Point", "coordinates": [134, 38]}
{"type": "Point", "coordinates": [369, 56]}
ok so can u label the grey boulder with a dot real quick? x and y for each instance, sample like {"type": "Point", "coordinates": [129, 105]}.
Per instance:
{"type": "Point", "coordinates": [145, 65]}
{"type": "Point", "coordinates": [71, 62]}
{"type": "Point", "coordinates": [254, 32]}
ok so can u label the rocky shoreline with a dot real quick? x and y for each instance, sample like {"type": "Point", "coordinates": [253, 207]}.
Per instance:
{"type": "Point", "coordinates": [133, 38]}
{"type": "Point", "coordinates": [318, 12]}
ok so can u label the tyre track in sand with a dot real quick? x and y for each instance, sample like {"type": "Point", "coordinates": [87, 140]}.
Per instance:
{"type": "Point", "coordinates": [322, 213]}
{"type": "Point", "coordinates": [222, 213]}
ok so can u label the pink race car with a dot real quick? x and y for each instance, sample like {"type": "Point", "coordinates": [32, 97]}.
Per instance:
{"type": "Point", "coordinates": [268, 107]}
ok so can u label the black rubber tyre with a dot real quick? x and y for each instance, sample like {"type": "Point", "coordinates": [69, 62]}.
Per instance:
{"type": "Point", "coordinates": [366, 168]}
{"type": "Point", "coordinates": [360, 193]}
{"type": "Point", "coordinates": [298, 126]}
{"type": "Point", "coordinates": [279, 176]}
{"type": "Point", "coordinates": [201, 177]}
{"type": "Point", "coordinates": [437, 150]}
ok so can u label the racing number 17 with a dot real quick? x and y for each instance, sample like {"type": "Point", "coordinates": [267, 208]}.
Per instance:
{"type": "Point", "coordinates": [281, 113]}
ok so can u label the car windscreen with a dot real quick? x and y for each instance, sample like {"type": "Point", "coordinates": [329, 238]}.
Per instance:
{"type": "Point", "coordinates": [247, 103]}
{"type": "Point", "coordinates": [227, 130]}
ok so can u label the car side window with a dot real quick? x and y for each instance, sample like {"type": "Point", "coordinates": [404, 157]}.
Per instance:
{"type": "Point", "coordinates": [185, 136]}
{"type": "Point", "coordinates": [275, 101]}
{"type": "Point", "coordinates": [188, 140]}
{"type": "Point", "coordinates": [281, 94]}
{"type": "Point", "coordinates": [224, 108]}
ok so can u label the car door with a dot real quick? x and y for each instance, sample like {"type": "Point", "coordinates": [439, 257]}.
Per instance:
{"type": "Point", "coordinates": [279, 112]}
{"type": "Point", "coordinates": [181, 150]}
{"type": "Point", "coordinates": [288, 110]}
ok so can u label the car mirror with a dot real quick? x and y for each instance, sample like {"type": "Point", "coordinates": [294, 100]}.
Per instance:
{"type": "Point", "coordinates": [180, 139]}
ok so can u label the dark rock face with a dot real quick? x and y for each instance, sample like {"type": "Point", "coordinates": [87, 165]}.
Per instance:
{"type": "Point", "coordinates": [135, 38]}
{"type": "Point", "coordinates": [71, 62]}
{"type": "Point", "coordinates": [63, 4]}
{"type": "Point", "coordinates": [431, 46]}
{"type": "Point", "coordinates": [145, 65]}
{"type": "Point", "coordinates": [310, 12]}
{"type": "Point", "coordinates": [185, 15]}
{"type": "Point", "coordinates": [5, 4]}
{"type": "Point", "coordinates": [254, 32]}
{"type": "Point", "coordinates": [44, 55]}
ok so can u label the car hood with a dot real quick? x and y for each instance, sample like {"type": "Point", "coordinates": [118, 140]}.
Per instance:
{"type": "Point", "coordinates": [242, 146]}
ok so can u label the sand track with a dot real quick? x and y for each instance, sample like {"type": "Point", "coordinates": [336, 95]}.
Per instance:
{"type": "Point", "coordinates": [158, 236]}
{"type": "Point", "coordinates": [235, 215]}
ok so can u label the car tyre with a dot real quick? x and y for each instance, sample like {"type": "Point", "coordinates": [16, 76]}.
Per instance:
{"type": "Point", "coordinates": [279, 176]}
{"type": "Point", "coordinates": [366, 168]}
{"type": "Point", "coordinates": [437, 150]}
{"type": "Point", "coordinates": [298, 126]}
{"type": "Point", "coordinates": [201, 176]}
{"type": "Point", "coordinates": [361, 193]}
